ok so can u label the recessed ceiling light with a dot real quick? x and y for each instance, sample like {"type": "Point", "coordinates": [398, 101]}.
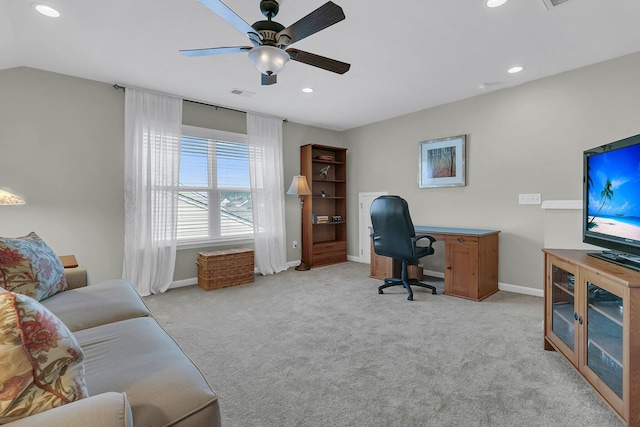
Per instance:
{"type": "Point", "coordinates": [307, 89]}
{"type": "Point", "coordinates": [47, 10]}
{"type": "Point", "coordinates": [495, 3]}
{"type": "Point", "coordinates": [514, 70]}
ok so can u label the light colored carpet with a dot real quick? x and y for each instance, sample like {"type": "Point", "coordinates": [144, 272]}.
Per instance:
{"type": "Point", "coordinates": [322, 348]}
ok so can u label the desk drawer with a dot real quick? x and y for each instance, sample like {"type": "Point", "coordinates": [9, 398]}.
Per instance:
{"type": "Point", "coordinates": [319, 248]}
{"type": "Point", "coordinates": [462, 240]}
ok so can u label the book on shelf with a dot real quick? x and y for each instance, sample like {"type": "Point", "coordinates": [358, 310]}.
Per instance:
{"type": "Point", "coordinates": [322, 219]}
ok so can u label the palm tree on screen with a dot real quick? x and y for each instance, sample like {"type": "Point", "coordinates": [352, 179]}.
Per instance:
{"type": "Point", "coordinates": [607, 195]}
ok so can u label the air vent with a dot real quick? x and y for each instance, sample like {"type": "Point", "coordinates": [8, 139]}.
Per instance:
{"type": "Point", "coordinates": [550, 4]}
{"type": "Point", "coordinates": [241, 92]}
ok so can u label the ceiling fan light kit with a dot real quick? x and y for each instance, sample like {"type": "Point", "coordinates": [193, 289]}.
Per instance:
{"type": "Point", "coordinates": [268, 59]}
{"type": "Point", "coordinates": [270, 39]}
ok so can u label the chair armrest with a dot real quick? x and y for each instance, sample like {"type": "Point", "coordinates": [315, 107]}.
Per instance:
{"type": "Point", "coordinates": [424, 236]}
{"type": "Point", "coordinates": [77, 277]}
{"type": "Point", "coordinates": [102, 410]}
{"type": "Point", "coordinates": [429, 248]}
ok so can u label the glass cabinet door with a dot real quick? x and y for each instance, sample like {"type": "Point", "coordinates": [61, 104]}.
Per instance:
{"type": "Point", "coordinates": [604, 336]}
{"type": "Point", "coordinates": [563, 305]}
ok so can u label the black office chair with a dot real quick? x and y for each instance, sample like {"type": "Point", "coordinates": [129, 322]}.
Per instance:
{"type": "Point", "coordinates": [394, 236]}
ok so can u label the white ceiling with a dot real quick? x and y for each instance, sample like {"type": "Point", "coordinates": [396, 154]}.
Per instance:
{"type": "Point", "coordinates": [405, 55]}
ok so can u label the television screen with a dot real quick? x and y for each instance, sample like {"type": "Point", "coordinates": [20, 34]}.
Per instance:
{"type": "Point", "coordinates": [612, 200]}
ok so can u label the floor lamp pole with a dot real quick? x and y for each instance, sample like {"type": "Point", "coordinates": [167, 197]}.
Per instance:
{"type": "Point", "coordinates": [300, 188]}
{"type": "Point", "coordinates": [303, 265]}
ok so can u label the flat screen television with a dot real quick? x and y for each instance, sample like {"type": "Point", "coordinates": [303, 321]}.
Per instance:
{"type": "Point", "coordinates": [611, 197]}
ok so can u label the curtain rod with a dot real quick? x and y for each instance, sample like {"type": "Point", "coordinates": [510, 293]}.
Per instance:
{"type": "Point", "coordinates": [193, 101]}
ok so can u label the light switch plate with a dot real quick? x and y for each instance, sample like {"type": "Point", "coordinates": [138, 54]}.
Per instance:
{"type": "Point", "coordinates": [529, 199]}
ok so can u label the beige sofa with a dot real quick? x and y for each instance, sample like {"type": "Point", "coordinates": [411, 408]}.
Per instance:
{"type": "Point", "coordinates": [135, 373]}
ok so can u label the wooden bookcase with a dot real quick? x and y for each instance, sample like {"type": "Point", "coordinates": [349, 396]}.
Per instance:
{"type": "Point", "coordinates": [324, 243]}
{"type": "Point", "coordinates": [592, 317]}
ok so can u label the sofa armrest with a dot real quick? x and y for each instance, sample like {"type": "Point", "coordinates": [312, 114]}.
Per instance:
{"type": "Point", "coordinates": [102, 410]}
{"type": "Point", "coordinates": [77, 277]}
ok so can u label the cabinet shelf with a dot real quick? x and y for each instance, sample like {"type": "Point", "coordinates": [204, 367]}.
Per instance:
{"type": "Point", "coordinates": [604, 345]}
{"type": "Point", "coordinates": [563, 312]}
{"type": "Point", "coordinates": [331, 162]}
{"type": "Point", "coordinates": [565, 287]}
{"type": "Point", "coordinates": [609, 309]}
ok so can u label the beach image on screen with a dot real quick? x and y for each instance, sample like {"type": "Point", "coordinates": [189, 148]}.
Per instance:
{"type": "Point", "coordinates": [613, 185]}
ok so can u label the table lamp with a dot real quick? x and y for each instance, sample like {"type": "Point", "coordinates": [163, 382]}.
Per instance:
{"type": "Point", "coordinates": [299, 187]}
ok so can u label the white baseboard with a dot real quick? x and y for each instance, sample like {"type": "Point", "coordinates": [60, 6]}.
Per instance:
{"type": "Point", "coordinates": [183, 282]}
{"type": "Point", "coordinates": [521, 290]}
{"type": "Point", "coordinates": [194, 280]}
{"type": "Point", "coordinates": [501, 286]}
{"type": "Point", "coordinates": [431, 273]}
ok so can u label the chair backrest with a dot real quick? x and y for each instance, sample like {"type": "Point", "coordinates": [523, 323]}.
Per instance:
{"type": "Point", "coordinates": [392, 228]}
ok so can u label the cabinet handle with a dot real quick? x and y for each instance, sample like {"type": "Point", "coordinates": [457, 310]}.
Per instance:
{"type": "Point", "coordinates": [575, 316]}
{"type": "Point", "coordinates": [580, 320]}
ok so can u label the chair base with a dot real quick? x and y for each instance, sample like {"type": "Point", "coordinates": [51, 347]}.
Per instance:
{"type": "Point", "coordinates": [407, 283]}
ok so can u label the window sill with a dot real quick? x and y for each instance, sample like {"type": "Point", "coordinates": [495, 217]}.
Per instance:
{"type": "Point", "coordinates": [201, 244]}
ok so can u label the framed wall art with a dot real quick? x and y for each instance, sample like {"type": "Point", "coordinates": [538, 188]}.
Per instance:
{"type": "Point", "coordinates": [442, 162]}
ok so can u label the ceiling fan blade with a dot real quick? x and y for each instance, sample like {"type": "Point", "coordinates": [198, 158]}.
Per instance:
{"type": "Point", "coordinates": [214, 51]}
{"type": "Point", "coordinates": [269, 79]}
{"type": "Point", "coordinates": [318, 61]}
{"type": "Point", "coordinates": [225, 12]}
{"type": "Point", "coordinates": [321, 18]}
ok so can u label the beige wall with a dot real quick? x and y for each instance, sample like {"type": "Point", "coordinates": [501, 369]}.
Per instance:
{"type": "Point", "coordinates": [525, 139]}
{"type": "Point", "coordinates": [61, 147]}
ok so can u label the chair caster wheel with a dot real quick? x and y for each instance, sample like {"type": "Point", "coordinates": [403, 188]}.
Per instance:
{"type": "Point", "coordinates": [380, 291]}
{"type": "Point", "coordinates": [410, 298]}
{"type": "Point", "coordinates": [434, 292]}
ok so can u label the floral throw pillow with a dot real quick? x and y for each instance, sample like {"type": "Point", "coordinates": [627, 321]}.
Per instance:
{"type": "Point", "coordinates": [42, 364]}
{"type": "Point", "coordinates": [29, 267]}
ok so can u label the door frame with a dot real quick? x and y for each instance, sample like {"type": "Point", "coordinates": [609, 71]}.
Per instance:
{"type": "Point", "coordinates": [364, 205]}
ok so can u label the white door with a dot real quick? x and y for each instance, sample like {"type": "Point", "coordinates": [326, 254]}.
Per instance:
{"type": "Point", "coordinates": [364, 202]}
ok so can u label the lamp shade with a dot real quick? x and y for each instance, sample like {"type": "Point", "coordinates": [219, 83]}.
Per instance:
{"type": "Point", "coordinates": [7, 198]}
{"type": "Point", "coordinates": [268, 59]}
{"type": "Point", "coordinates": [299, 186]}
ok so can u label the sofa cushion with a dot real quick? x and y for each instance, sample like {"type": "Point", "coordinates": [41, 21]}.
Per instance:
{"type": "Point", "coordinates": [41, 365]}
{"type": "Point", "coordinates": [94, 305]}
{"type": "Point", "coordinates": [138, 358]}
{"type": "Point", "coordinates": [103, 410]}
{"type": "Point", "coordinates": [29, 267]}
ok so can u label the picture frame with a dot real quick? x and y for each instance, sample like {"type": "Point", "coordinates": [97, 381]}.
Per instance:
{"type": "Point", "coordinates": [441, 162]}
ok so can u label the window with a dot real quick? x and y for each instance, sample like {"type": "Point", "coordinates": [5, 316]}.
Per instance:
{"type": "Point", "coordinates": [214, 198]}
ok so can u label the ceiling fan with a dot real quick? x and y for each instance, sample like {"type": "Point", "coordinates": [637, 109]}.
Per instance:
{"type": "Point", "coordinates": [270, 39]}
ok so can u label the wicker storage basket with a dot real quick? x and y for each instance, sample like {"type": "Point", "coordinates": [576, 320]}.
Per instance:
{"type": "Point", "coordinates": [225, 267]}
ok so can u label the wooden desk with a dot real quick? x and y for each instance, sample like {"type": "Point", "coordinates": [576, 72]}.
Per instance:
{"type": "Point", "coordinates": [471, 261]}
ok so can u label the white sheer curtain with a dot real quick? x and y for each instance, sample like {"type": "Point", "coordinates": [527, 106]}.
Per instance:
{"type": "Point", "coordinates": [267, 192]}
{"type": "Point", "coordinates": [152, 161]}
